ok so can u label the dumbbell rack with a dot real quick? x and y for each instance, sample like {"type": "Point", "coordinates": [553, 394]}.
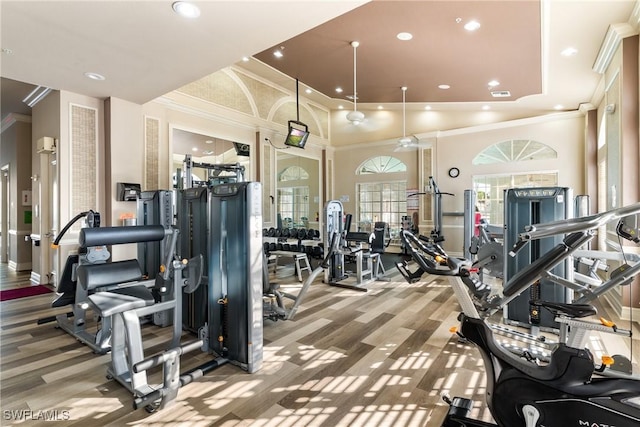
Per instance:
{"type": "Point", "coordinates": [276, 243]}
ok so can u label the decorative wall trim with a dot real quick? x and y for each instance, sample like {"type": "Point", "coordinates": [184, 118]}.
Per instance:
{"type": "Point", "coordinates": [12, 118]}
{"type": "Point", "coordinates": [23, 266]}
{"type": "Point", "coordinates": [612, 40]}
{"type": "Point", "coordinates": [434, 135]}
{"type": "Point", "coordinates": [151, 153]}
{"type": "Point", "coordinates": [83, 158]}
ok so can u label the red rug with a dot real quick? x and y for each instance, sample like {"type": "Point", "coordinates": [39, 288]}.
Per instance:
{"type": "Point", "coordinates": [27, 291]}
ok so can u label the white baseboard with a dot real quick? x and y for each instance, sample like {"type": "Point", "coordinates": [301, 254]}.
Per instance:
{"type": "Point", "coordinates": [23, 266]}
{"type": "Point", "coordinates": [35, 278]}
{"type": "Point", "coordinates": [630, 313]}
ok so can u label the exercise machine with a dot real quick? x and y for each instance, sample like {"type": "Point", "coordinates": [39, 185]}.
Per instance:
{"type": "Point", "coordinates": [350, 248]}
{"type": "Point", "coordinates": [77, 283]}
{"type": "Point", "coordinates": [525, 206]}
{"type": "Point", "coordinates": [66, 289]}
{"type": "Point", "coordinates": [154, 208]}
{"type": "Point", "coordinates": [216, 173]}
{"type": "Point", "coordinates": [192, 220]}
{"type": "Point", "coordinates": [480, 240]}
{"type": "Point", "coordinates": [235, 269]}
{"type": "Point", "coordinates": [123, 310]}
{"type": "Point", "coordinates": [436, 233]}
{"type": "Point", "coordinates": [274, 305]}
{"type": "Point", "coordinates": [567, 391]}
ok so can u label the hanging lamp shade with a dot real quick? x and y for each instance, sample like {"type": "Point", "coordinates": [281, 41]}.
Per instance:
{"type": "Point", "coordinates": [356, 117]}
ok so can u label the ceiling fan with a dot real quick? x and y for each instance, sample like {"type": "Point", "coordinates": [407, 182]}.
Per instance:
{"type": "Point", "coordinates": [406, 142]}
{"type": "Point", "coordinates": [356, 117]}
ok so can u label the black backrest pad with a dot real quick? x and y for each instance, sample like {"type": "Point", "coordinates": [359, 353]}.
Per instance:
{"type": "Point", "coordinates": [120, 235]}
{"type": "Point", "coordinates": [92, 276]}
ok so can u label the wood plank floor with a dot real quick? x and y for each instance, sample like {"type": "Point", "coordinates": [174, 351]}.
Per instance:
{"type": "Point", "coordinates": [381, 358]}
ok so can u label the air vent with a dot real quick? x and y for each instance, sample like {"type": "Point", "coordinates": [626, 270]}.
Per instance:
{"type": "Point", "coordinates": [500, 93]}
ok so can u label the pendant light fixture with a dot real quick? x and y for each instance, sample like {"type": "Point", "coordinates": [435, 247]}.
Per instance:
{"type": "Point", "coordinates": [356, 117]}
{"type": "Point", "coordinates": [405, 141]}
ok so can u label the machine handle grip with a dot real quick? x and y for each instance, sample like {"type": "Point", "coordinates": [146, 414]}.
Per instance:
{"type": "Point", "coordinates": [159, 359]}
{"type": "Point", "coordinates": [517, 247]}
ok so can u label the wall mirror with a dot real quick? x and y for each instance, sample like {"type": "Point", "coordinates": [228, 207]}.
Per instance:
{"type": "Point", "coordinates": [298, 203]}
{"type": "Point", "coordinates": [210, 150]}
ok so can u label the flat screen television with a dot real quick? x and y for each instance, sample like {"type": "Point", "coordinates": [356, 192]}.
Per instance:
{"type": "Point", "coordinates": [297, 136]}
{"type": "Point", "coordinates": [242, 149]}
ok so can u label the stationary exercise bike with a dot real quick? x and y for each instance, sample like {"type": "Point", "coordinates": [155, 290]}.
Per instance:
{"type": "Point", "coordinates": [567, 391]}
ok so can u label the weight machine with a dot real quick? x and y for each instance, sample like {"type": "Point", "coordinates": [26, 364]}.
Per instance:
{"type": "Point", "coordinates": [570, 389]}
{"type": "Point", "coordinates": [367, 261]}
{"type": "Point", "coordinates": [154, 208]}
{"type": "Point", "coordinates": [216, 173]}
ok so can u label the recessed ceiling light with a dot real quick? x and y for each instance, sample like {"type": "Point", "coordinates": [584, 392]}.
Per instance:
{"type": "Point", "coordinates": [208, 141]}
{"type": "Point", "coordinates": [339, 89]}
{"type": "Point", "coordinates": [340, 107]}
{"type": "Point", "coordinates": [493, 83]}
{"type": "Point", "coordinates": [486, 107]}
{"type": "Point", "coordinates": [472, 25]}
{"type": "Point", "coordinates": [404, 36]}
{"type": "Point", "coordinates": [278, 53]}
{"type": "Point", "coordinates": [94, 76]}
{"type": "Point", "coordinates": [308, 90]}
{"type": "Point", "coordinates": [380, 107]}
{"type": "Point", "coordinates": [444, 87]}
{"type": "Point", "coordinates": [186, 9]}
{"type": "Point", "coordinates": [207, 152]}
{"type": "Point", "coordinates": [245, 59]}
{"type": "Point", "coordinates": [428, 107]}
{"type": "Point", "coordinates": [558, 107]}
{"type": "Point", "coordinates": [570, 51]}
{"type": "Point", "coordinates": [194, 149]}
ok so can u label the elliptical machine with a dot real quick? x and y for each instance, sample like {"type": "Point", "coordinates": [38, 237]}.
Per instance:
{"type": "Point", "coordinates": [567, 391]}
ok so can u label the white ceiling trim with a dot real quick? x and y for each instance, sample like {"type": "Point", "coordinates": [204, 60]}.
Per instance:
{"type": "Point", "coordinates": [612, 40]}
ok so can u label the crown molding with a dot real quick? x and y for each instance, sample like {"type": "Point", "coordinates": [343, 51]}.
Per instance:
{"type": "Point", "coordinates": [611, 42]}
{"type": "Point", "coordinates": [12, 118]}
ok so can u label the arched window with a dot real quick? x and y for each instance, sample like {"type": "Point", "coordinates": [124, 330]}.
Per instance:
{"type": "Point", "coordinates": [381, 164]}
{"type": "Point", "coordinates": [490, 188]}
{"type": "Point", "coordinates": [293, 173]}
{"type": "Point", "coordinates": [515, 150]}
{"type": "Point", "coordinates": [380, 198]}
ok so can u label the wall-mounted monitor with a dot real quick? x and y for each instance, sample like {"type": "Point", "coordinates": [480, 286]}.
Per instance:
{"type": "Point", "coordinates": [297, 135]}
{"type": "Point", "coordinates": [242, 149]}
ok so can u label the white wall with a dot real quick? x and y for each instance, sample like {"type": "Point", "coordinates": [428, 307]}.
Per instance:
{"type": "Point", "coordinates": [564, 132]}
{"type": "Point", "coordinates": [124, 132]}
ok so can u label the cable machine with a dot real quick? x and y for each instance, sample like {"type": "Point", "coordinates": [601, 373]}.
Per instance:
{"type": "Point", "coordinates": [525, 206]}
{"type": "Point", "coordinates": [234, 172]}
{"type": "Point", "coordinates": [235, 273]}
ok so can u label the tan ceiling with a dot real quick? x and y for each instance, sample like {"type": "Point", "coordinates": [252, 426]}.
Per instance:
{"type": "Point", "coordinates": [518, 43]}
{"type": "Point", "coordinates": [145, 50]}
{"type": "Point", "coordinates": [440, 52]}
{"type": "Point", "coordinates": [142, 47]}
